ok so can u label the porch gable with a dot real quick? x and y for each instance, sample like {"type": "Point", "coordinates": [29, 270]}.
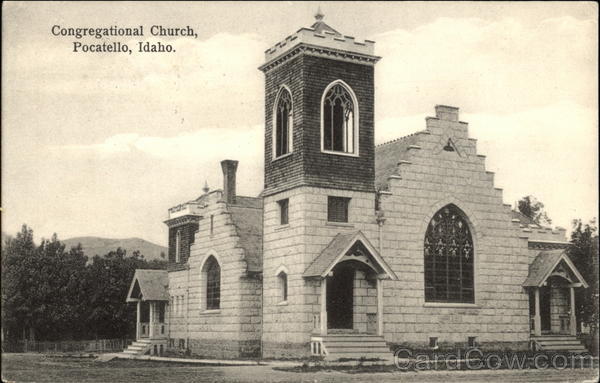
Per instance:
{"type": "Point", "coordinates": [148, 285]}
{"type": "Point", "coordinates": [355, 246]}
{"type": "Point", "coordinates": [549, 263]}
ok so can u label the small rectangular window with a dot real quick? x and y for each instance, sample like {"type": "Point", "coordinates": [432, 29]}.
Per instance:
{"type": "Point", "coordinates": [337, 209]}
{"type": "Point", "coordinates": [433, 342]}
{"type": "Point", "coordinates": [178, 246]}
{"type": "Point", "coordinates": [472, 342]}
{"type": "Point", "coordinates": [283, 211]}
{"type": "Point", "coordinates": [212, 221]}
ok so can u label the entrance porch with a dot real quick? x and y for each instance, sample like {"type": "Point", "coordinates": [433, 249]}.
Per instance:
{"type": "Point", "coordinates": [551, 286]}
{"type": "Point", "coordinates": [149, 291]}
{"type": "Point", "coordinates": [351, 276]}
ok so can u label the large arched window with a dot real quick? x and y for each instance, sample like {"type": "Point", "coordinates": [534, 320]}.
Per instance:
{"type": "Point", "coordinates": [283, 123]}
{"type": "Point", "coordinates": [212, 272]}
{"type": "Point", "coordinates": [449, 258]}
{"type": "Point", "coordinates": [339, 111]}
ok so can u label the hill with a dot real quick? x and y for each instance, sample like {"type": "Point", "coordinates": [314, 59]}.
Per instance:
{"type": "Point", "coordinates": [101, 246]}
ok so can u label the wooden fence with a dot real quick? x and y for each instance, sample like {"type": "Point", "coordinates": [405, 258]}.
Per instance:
{"type": "Point", "coordinates": [80, 346]}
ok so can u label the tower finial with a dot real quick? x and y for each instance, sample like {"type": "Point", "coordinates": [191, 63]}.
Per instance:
{"type": "Point", "coordinates": [205, 189]}
{"type": "Point", "coordinates": [319, 15]}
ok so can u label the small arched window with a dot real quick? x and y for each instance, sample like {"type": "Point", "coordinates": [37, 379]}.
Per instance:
{"type": "Point", "coordinates": [283, 286]}
{"type": "Point", "coordinates": [449, 255]}
{"type": "Point", "coordinates": [178, 246]}
{"type": "Point", "coordinates": [283, 123]}
{"type": "Point", "coordinates": [212, 272]}
{"type": "Point", "coordinates": [340, 115]}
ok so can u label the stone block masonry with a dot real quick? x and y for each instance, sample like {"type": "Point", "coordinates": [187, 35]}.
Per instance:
{"type": "Point", "coordinates": [233, 330]}
{"type": "Point", "coordinates": [428, 179]}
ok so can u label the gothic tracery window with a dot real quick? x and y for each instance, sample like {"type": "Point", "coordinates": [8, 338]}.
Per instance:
{"type": "Point", "coordinates": [339, 127]}
{"type": "Point", "coordinates": [283, 123]}
{"type": "Point", "coordinates": [448, 251]}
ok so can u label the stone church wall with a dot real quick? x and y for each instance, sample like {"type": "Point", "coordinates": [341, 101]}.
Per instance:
{"type": "Point", "coordinates": [288, 327]}
{"type": "Point", "coordinates": [364, 304]}
{"type": "Point", "coordinates": [234, 329]}
{"type": "Point", "coordinates": [559, 306]}
{"type": "Point", "coordinates": [428, 180]}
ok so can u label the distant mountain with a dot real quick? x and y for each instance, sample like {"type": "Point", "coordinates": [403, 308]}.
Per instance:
{"type": "Point", "coordinates": [101, 246]}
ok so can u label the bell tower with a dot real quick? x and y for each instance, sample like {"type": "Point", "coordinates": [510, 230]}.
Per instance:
{"type": "Point", "coordinates": [319, 95]}
{"type": "Point", "coordinates": [319, 172]}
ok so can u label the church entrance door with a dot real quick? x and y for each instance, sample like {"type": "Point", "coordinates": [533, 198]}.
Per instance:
{"type": "Point", "coordinates": [340, 297]}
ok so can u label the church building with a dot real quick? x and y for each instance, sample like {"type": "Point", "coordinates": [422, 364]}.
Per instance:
{"type": "Point", "coordinates": [353, 249]}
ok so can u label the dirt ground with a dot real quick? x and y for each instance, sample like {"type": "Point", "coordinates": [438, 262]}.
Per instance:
{"type": "Point", "coordinates": [44, 368]}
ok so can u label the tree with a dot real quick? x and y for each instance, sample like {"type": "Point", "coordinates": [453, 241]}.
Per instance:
{"type": "Point", "coordinates": [52, 294]}
{"type": "Point", "coordinates": [41, 287]}
{"type": "Point", "coordinates": [108, 279]}
{"type": "Point", "coordinates": [584, 254]}
{"type": "Point", "coordinates": [18, 255]}
{"type": "Point", "coordinates": [534, 209]}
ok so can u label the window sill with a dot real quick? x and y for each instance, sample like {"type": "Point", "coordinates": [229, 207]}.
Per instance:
{"type": "Point", "coordinates": [339, 153]}
{"type": "Point", "coordinates": [211, 312]}
{"type": "Point", "coordinates": [452, 305]}
{"type": "Point", "coordinates": [343, 224]}
{"type": "Point", "coordinates": [282, 227]}
{"type": "Point", "coordinates": [282, 303]}
{"type": "Point", "coordinates": [282, 156]}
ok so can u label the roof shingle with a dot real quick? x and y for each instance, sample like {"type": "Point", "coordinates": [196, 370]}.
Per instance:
{"type": "Point", "coordinates": [152, 284]}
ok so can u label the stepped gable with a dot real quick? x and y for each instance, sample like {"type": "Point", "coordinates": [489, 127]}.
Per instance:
{"type": "Point", "coordinates": [387, 157]}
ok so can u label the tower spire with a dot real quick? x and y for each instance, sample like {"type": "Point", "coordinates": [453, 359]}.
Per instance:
{"type": "Point", "coordinates": [319, 15]}
{"type": "Point", "coordinates": [205, 189]}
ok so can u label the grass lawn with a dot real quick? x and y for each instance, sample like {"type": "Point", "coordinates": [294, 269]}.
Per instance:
{"type": "Point", "coordinates": [47, 368]}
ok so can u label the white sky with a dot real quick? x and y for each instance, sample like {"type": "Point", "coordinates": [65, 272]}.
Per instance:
{"type": "Point", "coordinates": [104, 144]}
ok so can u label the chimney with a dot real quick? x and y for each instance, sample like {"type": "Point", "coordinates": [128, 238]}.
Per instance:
{"type": "Point", "coordinates": [229, 168]}
{"type": "Point", "coordinates": [445, 112]}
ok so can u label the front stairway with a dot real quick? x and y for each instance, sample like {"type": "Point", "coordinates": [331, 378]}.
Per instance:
{"type": "Point", "coordinates": [139, 347]}
{"type": "Point", "coordinates": [568, 343]}
{"type": "Point", "coordinates": [351, 346]}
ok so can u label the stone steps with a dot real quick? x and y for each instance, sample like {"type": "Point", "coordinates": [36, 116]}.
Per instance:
{"type": "Point", "coordinates": [139, 347]}
{"type": "Point", "coordinates": [560, 343]}
{"type": "Point", "coordinates": [350, 346]}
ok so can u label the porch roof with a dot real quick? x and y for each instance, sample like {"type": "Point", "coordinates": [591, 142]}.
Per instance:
{"type": "Point", "coordinates": [545, 263]}
{"type": "Point", "coordinates": [335, 251]}
{"type": "Point", "coordinates": [148, 285]}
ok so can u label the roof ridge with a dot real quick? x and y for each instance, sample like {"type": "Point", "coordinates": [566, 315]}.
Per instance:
{"type": "Point", "coordinates": [401, 138]}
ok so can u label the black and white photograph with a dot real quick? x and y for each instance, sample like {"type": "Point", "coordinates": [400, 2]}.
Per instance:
{"type": "Point", "coordinates": [299, 191]}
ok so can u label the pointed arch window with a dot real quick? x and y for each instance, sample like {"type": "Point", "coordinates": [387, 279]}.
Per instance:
{"type": "Point", "coordinates": [283, 123]}
{"type": "Point", "coordinates": [339, 112]}
{"type": "Point", "coordinates": [212, 272]}
{"type": "Point", "coordinates": [448, 251]}
{"type": "Point", "coordinates": [283, 286]}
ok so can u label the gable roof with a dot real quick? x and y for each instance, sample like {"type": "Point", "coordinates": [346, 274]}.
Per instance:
{"type": "Point", "coordinates": [525, 220]}
{"type": "Point", "coordinates": [248, 222]}
{"type": "Point", "coordinates": [545, 263]}
{"type": "Point", "coordinates": [152, 285]}
{"type": "Point", "coordinates": [335, 251]}
{"type": "Point", "coordinates": [388, 155]}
